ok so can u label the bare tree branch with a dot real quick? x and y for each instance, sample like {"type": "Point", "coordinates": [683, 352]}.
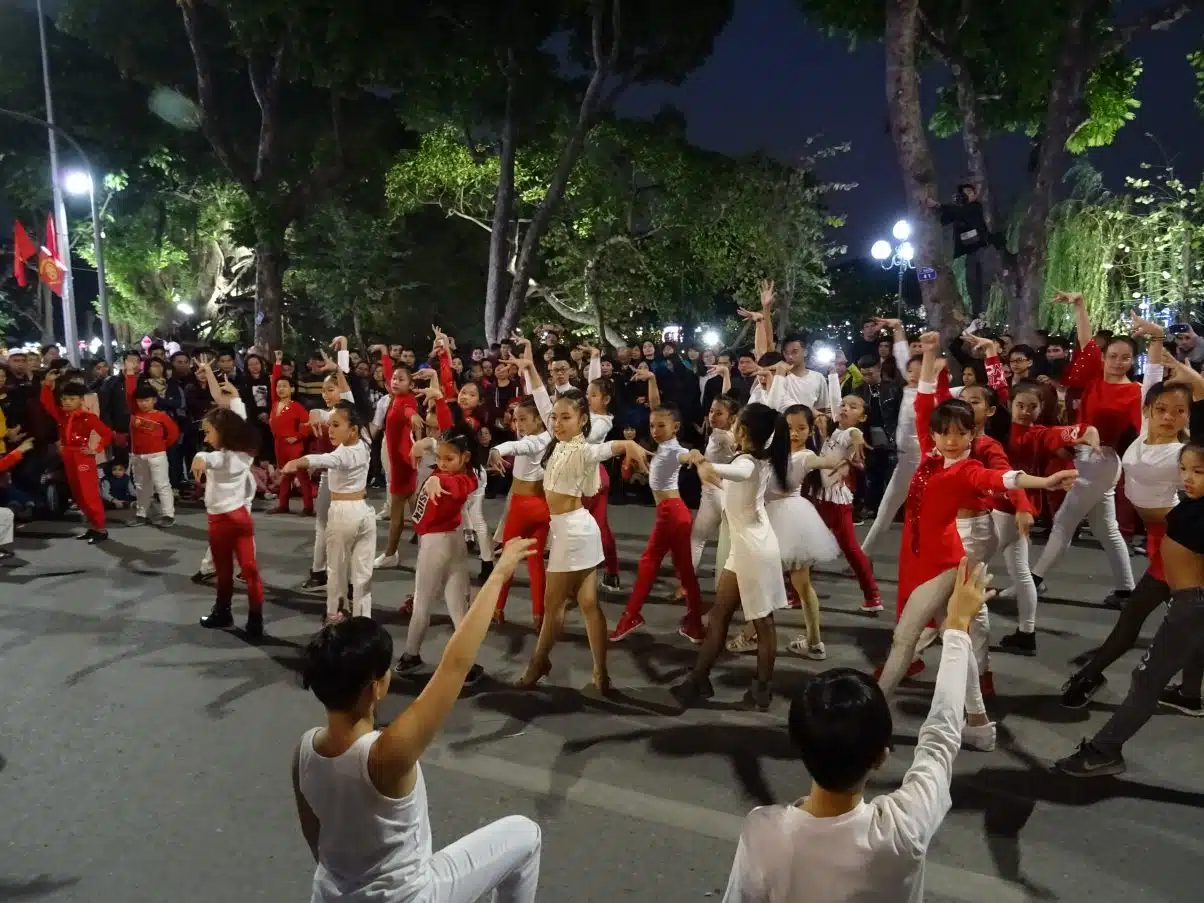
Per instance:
{"type": "Point", "coordinates": [1158, 19]}
{"type": "Point", "coordinates": [204, 88]}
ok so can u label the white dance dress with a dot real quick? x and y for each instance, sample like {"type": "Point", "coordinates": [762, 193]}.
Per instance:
{"type": "Point", "coordinates": [803, 537]}
{"type": "Point", "coordinates": [753, 557]}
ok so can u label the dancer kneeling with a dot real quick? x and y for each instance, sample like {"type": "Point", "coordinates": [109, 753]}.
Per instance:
{"type": "Point", "coordinates": [360, 792]}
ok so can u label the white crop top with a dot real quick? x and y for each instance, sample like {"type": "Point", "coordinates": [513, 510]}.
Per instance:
{"type": "Point", "coordinates": [721, 447]}
{"type": "Point", "coordinates": [573, 467]}
{"type": "Point", "coordinates": [664, 466]}
{"type": "Point", "coordinates": [1152, 474]}
{"type": "Point", "coordinates": [528, 455]}
{"type": "Point", "coordinates": [227, 480]}
{"type": "Point", "coordinates": [346, 467]}
{"type": "Point", "coordinates": [800, 464]}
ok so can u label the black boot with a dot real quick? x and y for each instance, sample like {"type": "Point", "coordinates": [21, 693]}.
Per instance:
{"type": "Point", "coordinates": [219, 618]}
{"type": "Point", "coordinates": [486, 570]}
{"type": "Point", "coordinates": [254, 628]}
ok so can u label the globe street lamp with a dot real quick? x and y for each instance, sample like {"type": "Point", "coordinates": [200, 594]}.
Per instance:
{"type": "Point", "coordinates": [896, 256]}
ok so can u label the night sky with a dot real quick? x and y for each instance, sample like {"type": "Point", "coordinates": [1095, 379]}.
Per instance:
{"type": "Point", "coordinates": [774, 80]}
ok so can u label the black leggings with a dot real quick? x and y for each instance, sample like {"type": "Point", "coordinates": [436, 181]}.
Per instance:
{"type": "Point", "coordinates": [1149, 593]}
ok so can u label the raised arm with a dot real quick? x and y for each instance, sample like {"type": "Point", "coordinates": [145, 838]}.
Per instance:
{"type": "Point", "coordinates": [593, 370]}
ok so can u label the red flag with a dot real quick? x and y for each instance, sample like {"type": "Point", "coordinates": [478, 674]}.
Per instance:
{"type": "Point", "coordinates": [23, 249]}
{"type": "Point", "coordinates": [50, 268]}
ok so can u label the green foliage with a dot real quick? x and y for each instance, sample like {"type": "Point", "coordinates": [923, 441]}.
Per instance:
{"type": "Point", "coordinates": [1120, 250]}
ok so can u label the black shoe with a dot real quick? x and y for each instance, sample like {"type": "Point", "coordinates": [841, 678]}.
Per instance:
{"type": "Point", "coordinates": [1117, 600]}
{"type": "Point", "coordinates": [1173, 697]}
{"type": "Point", "coordinates": [1077, 691]}
{"type": "Point", "coordinates": [315, 583]}
{"type": "Point", "coordinates": [414, 540]}
{"type": "Point", "coordinates": [486, 570]}
{"type": "Point", "coordinates": [97, 536]}
{"type": "Point", "coordinates": [407, 664]}
{"type": "Point", "coordinates": [1089, 761]}
{"type": "Point", "coordinates": [86, 535]}
{"type": "Point", "coordinates": [475, 673]}
{"type": "Point", "coordinates": [759, 696]}
{"type": "Point", "coordinates": [611, 582]}
{"type": "Point", "coordinates": [692, 689]}
{"type": "Point", "coordinates": [165, 522]}
{"type": "Point", "coordinates": [219, 618]}
{"type": "Point", "coordinates": [254, 628]}
{"type": "Point", "coordinates": [201, 579]}
{"type": "Point", "coordinates": [1020, 643]}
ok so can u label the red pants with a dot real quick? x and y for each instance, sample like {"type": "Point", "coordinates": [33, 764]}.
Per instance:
{"type": "Point", "coordinates": [671, 535]}
{"type": "Point", "coordinates": [528, 518]}
{"type": "Point", "coordinates": [84, 481]}
{"type": "Point", "coordinates": [232, 535]}
{"type": "Point", "coordinates": [596, 506]}
{"type": "Point", "coordinates": [285, 453]}
{"type": "Point", "coordinates": [839, 519]}
{"type": "Point", "coordinates": [403, 478]}
{"type": "Point", "coordinates": [1154, 534]}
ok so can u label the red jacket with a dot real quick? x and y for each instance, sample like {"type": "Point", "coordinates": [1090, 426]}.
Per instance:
{"type": "Point", "coordinates": [75, 427]}
{"type": "Point", "coordinates": [9, 461]}
{"type": "Point", "coordinates": [151, 432]}
{"type": "Point", "coordinates": [1112, 408]}
{"type": "Point", "coordinates": [1031, 448]}
{"type": "Point", "coordinates": [442, 515]}
{"type": "Point", "coordinates": [289, 422]}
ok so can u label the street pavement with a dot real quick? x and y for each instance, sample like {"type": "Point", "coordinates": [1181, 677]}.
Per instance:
{"type": "Point", "coordinates": [145, 759]}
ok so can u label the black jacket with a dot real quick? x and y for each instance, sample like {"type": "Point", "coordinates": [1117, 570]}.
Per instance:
{"type": "Point", "coordinates": [969, 228]}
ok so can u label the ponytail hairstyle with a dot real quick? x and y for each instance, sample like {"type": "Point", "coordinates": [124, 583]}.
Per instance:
{"type": "Point", "coordinates": [779, 449]}
{"type": "Point", "coordinates": [812, 481]}
{"type": "Point", "coordinates": [463, 438]}
{"type": "Point", "coordinates": [233, 433]}
{"type": "Point", "coordinates": [999, 424]}
{"type": "Point", "coordinates": [606, 388]}
{"type": "Point", "coordinates": [577, 399]}
{"type": "Point", "coordinates": [354, 417]}
{"type": "Point", "coordinates": [726, 401]}
{"type": "Point", "coordinates": [527, 403]}
{"type": "Point", "coordinates": [769, 436]}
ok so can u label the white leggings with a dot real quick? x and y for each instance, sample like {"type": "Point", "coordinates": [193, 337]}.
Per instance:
{"type": "Point", "coordinates": [321, 515]}
{"type": "Point", "coordinates": [350, 535]}
{"type": "Point", "coordinates": [6, 525]}
{"type": "Point", "coordinates": [474, 519]}
{"type": "Point", "coordinates": [1015, 555]}
{"type": "Point", "coordinates": [926, 603]}
{"type": "Point", "coordinates": [1092, 496]}
{"type": "Point", "coordinates": [500, 859]}
{"type": "Point", "coordinates": [442, 564]}
{"type": "Point", "coordinates": [979, 541]}
{"type": "Point", "coordinates": [892, 499]}
{"type": "Point", "coordinates": [706, 523]}
{"type": "Point", "coordinates": [150, 479]}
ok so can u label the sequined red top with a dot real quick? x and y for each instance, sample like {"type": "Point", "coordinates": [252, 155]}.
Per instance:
{"type": "Point", "coordinates": [1112, 408]}
{"type": "Point", "coordinates": [1030, 449]}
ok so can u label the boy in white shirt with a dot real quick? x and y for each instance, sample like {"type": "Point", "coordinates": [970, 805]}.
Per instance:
{"type": "Point", "coordinates": [832, 846]}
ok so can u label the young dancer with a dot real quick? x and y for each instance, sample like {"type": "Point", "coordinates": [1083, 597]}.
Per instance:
{"type": "Point", "coordinates": [906, 442]}
{"type": "Point", "coordinates": [7, 518]}
{"type": "Point", "coordinates": [442, 556]}
{"type": "Point", "coordinates": [721, 449]}
{"type": "Point", "coordinates": [947, 480]}
{"type": "Point", "coordinates": [335, 391]}
{"type": "Point", "coordinates": [152, 433]}
{"type": "Point", "coordinates": [77, 426]}
{"type": "Point", "coordinates": [1152, 483]}
{"type": "Point", "coordinates": [289, 422]}
{"type": "Point", "coordinates": [600, 394]}
{"type": "Point", "coordinates": [226, 470]}
{"type": "Point", "coordinates": [526, 509]}
{"type": "Point", "coordinates": [1110, 402]}
{"type": "Point", "coordinates": [1180, 637]}
{"type": "Point", "coordinates": [833, 844]}
{"type": "Point", "coordinates": [670, 530]}
{"type": "Point", "coordinates": [360, 793]}
{"type": "Point", "coordinates": [752, 571]}
{"type": "Point", "coordinates": [571, 473]}
{"type": "Point", "coordinates": [403, 425]}
{"type": "Point", "coordinates": [349, 536]}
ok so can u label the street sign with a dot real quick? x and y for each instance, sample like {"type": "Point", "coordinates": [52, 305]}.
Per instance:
{"type": "Point", "coordinates": [926, 274]}
{"type": "Point", "coordinates": [259, 318]}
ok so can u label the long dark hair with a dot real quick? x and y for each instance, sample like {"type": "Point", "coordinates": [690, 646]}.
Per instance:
{"type": "Point", "coordinates": [576, 398]}
{"type": "Point", "coordinates": [769, 435]}
{"type": "Point", "coordinates": [233, 433]}
{"type": "Point", "coordinates": [354, 417]}
{"type": "Point", "coordinates": [812, 483]}
{"type": "Point", "coordinates": [463, 438]}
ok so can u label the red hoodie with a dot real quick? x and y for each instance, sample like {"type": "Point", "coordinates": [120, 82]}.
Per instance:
{"type": "Point", "coordinates": [442, 515]}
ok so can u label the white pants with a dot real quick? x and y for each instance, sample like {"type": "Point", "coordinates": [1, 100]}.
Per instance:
{"type": "Point", "coordinates": [384, 465]}
{"type": "Point", "coordinates": [474, 520]}
{"type": "Point", "coordinates": [321, 515]}
{"type": "Point", "coordinates": [892, 499]}
{"type": "Point", "coordinates": [151, 478]}
{"type": "Point", "coordinates": [928, 602]}
{"type": "Point", "coordinates": [1015, 555]}
{"type": "Point", "coordinates": [442, 564]}
{"type": "Point", "coordinates": [706, 522]}
{"type": "Point", "coordinates": [350, 534]}
{"type": "Point", "coordinates": [1093, 496]}
{"type": "Point", "coordinates": [979, 541]}
{"type": "Point", "coordinates": [6, 525]}
{"type": "Point", "coordinates": [500, 859]}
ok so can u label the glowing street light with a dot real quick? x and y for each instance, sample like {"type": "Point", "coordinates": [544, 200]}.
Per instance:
{"type": "Point", "coordinates": [185, 308]}
{"type": "Point", "coordinates": [896, 256]}
{"type": "Point", "coordinates": [710, 339]}
{"type": "Point", "coordinates": [77, 182]}
{"type": "Point", "coordinates": [902, 230]}
{"type": "Point", "coordinates": [906, 251]}
{"type": "Point", "coordinates": [881, 250]}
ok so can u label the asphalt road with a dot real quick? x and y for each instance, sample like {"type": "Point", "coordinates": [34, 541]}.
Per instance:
{"type": "Point", "coordinates": [145, 759]}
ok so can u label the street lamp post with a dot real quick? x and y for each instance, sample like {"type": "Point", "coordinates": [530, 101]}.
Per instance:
{"type": "Point", "coordinates": [897, 256]}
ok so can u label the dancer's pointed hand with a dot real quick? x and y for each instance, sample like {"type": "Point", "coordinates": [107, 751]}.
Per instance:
{"type": "Point", "coordinates": [969, 592]}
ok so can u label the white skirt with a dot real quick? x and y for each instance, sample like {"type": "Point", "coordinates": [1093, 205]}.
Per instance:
{"type": "Point", "coordinates": [754, 559]}
{"type": "Point", "coordinates": [803, 537]}
{"type": "Point", "coordinates": [574, 542]}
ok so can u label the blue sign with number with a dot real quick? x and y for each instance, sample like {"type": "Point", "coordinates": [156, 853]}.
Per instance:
{"type": "Point", "coordinates": [259, 318]}
{"type": "Point", "coordinates": [926, 274]}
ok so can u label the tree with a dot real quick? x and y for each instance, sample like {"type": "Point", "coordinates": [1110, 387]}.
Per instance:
{"type": "Point", "coordinates": [1001, 56]}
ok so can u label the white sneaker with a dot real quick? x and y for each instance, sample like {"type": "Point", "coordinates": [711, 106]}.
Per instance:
{"type": "Point", "coordinates": [383, 513]}
{"type": "Point", "coordinates": [816, 653]}
{"type": "Point", "coordinates": [387, 561]}
{"type": "Point", "coordinates": [1008, 592]}
{"type": "Point", "coordinates": [981, 737]}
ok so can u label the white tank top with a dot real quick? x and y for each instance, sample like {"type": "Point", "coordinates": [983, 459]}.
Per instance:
{"type": "Point", "coordinates": [1152, 474]}
{"type": "Point", "coordinates": [371, 848]}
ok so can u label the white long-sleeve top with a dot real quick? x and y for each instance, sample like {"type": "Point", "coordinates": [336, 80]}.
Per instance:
{"type": "Point", "coordinates": [227, 481]}
{"type": "Point", "coordinates": [566, 471]}
{"type": "Point", "coordinates": [906, 441]}
{"type": "Point", "coordinates": [876, 852]}
{"type": "Point", "coordinates": [664, 466]}
{"type": "Point", "coordinates": [801, 463]}
{"type": "Point", "coordinates": [528, 452]}
{"type": "Point", "coordinates": [346, 467]}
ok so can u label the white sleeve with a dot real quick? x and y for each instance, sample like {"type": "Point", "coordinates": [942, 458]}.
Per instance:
{"type": "Point", "coordinates": [527, 445]}
{"type": "Point", "coordinates": [544, 404]}
{"type": "Point", "coordinates": [212, 459]}
{"type": "Point", "coordinates": [746, 883]}
{"type": "Point", "coordinates": [346, 396]}
{"type": "Point", "coordinates": [382, 411]}
{"type": "Point", "coordinates": [598, 453]}
{"type": "Point", "coordinates": [1152, 377]}
{"type": "Point", "coordinates": [593, 370]}
{"type": "Point", "coordinates": [738, 471]}
{"type": "Point", "coordinates": [599, 429]}
{"type": "Point", "coordinates": [832, 401]}
{"type": "Point", "coordinates": [334, 460]}
{"type": "Point", "coordinates": [915, 811]}
{"type": "Point", "coordinates": [238, 407]}
{"type": "Point", "coordinates": [902, 354]}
